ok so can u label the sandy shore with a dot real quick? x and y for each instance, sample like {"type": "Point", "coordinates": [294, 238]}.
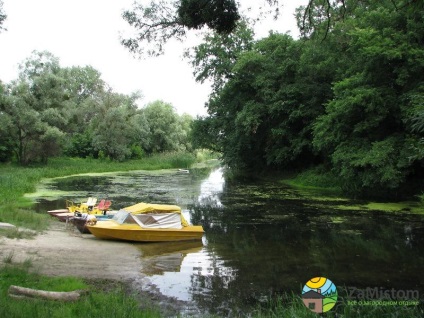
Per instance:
{"type": "Point", "coordinates": [63, 251]}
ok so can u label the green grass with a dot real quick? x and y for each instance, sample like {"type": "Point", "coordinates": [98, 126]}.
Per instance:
{"type": "Point", "coordinates": [290, 305]}
{"type": "Point", "coordinates": [316, 178]}
{"type": "Point", "coordinates": [111, 299]}
{"type": "Point", "coordinates": [15, 181]}
{"type": "Point", "coordinates": [100, 301]}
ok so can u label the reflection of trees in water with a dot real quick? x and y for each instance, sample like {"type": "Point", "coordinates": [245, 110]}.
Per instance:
{"type": "Point", "coordinates": [211, 189]}
{"type": "Point", "coordinates": [211, 287]}
{"type": "Point", "coordinates": [271, 250]}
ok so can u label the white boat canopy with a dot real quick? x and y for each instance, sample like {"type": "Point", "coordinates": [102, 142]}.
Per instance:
{"type": "Point", "coordinates": [147, 215]}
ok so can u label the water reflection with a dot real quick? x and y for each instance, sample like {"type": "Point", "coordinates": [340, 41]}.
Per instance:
{"type": "Point", "coordinates": [211, 189]}
{"type": "Point", "coordinates": [160, 258]}
{"type": "Point", "coordinates": [264, 239]}
{"type": "Point", "coordinates": [185, 273]}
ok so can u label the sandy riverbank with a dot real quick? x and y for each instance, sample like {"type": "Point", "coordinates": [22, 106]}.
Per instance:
{"type": "Point", "coordinates": [63, 251]}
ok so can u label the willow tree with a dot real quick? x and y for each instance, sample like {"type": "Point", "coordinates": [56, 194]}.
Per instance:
{"type": "Point", "coordinates": [32, 110]}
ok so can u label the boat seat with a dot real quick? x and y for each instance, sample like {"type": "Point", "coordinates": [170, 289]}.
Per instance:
{"type": "Point", "coordinates": [91, 201]}
{"type": "Point", "coordinates": [88, 205]}
{"type": "Point", "coordinates": [106, 206]}
{"type": "Point", "coordinates": [101, 205]}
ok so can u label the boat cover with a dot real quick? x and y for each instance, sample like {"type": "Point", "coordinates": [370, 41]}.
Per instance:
{"type": "Point", "coordinates": [159, 215]}
{"type": "Point", "coordinates": [170, 220]}
{"type": "Point", "coordinates": [159, 220]}
{"type": "Point", "coordinates": [149, 207]}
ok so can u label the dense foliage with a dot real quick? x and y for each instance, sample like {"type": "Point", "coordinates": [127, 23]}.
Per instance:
{"type": "Point", "coordinates": [50, 110]}
{"type": "Point", "coordinates": [352, 102]}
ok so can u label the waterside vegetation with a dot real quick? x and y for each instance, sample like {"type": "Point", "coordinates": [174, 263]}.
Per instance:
{"type": "Point", "coordinates": [15, 181]}
{"type": "Point", "coordinates": [346, 97]}
{"type": "Point", "coordinates": [104, 299]}
{"type": "Point", "coordinates": [113, 299]}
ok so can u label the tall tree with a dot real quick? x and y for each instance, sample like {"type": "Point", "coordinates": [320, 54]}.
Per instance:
{"type": "Point", "coordinates": [33, 109]}
{"type": "Point", "coordinates": [6, 142]}
{"type": "Point", "coordinates": [27, 129]}
{"type": "Point", "coordinates": [215, 58]}
{"type": "Point", "coordinates": [158, 22]}
{"type": "Point", "coordinates": [3, 16]}
{"type": "Point", "coordinates": [167, 131]}
{"type": "Point", "coordinates": [366, 130]}
{"type": "Point", "coordinates": [264, 114]}
{"type": "Point", "coordinates": [113, 128]}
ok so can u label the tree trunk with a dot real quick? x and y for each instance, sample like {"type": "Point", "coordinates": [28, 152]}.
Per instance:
{"type": "Point", "coordinates": [23, 292]}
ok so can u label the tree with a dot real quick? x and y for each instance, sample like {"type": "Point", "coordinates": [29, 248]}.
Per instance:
{"type": "Point", "coordinates": [32, 113]}
{"type": "Point", "coordinates": [3, 16]}
{"type": "Point", "coordinates": [214, 59]}
{"type": "Point", "coordinates": [27, 129]}
{"type": "Point", "coordinates": [51, 110]}
{"type": "Point", "coordinates": [218, 15]}
{"type": "Point", "coordinates": [353, 102]}
{"type": "Point", "coordinates": [6, 143]}
{"type": "Point", "coordinates": [83, 89]}
{"type": "Point", "coordinates": [366, 130]}
{"type": "Point", "coordinates": [185, 122]}
{"type": "Point", "coordinates": [167, 132]}
{"type": "Point", "coordinates": [206, 134]}
{"type": "Point", "coordinates": [155, 24]}
{"type": "Point", "coordinates": [263, 115]}
{"type": "Point", "coordinates": [113, 128]}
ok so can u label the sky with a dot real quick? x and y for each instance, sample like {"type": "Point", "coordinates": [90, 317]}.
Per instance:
{"type": "Point", "coordinates": [86, 32]}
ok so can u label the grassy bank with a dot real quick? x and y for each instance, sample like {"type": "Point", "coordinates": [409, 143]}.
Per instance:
{"type": "Point", "coordinates": [15, 181]}
{"type": "Point", "coordinates": [316, 178]}
{"type": "Point", "coordinates": [103, 299]}
{"type": "Point", "coordinates": [111, 299]}
{"type": "Point", "coordinates": [288, 306]}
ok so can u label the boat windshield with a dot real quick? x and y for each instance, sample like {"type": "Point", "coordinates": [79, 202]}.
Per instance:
{"type": "Point", "coordinates": [122, 217]}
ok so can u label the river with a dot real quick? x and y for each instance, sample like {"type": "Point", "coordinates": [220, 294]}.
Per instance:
{"type": "Point", "coordinates": [261, 239]}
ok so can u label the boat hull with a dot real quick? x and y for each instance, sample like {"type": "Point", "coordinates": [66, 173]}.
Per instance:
{"type": "Point", "coordinates": [55, 212]}
{"type": "Point", "coordinates": [63, 217]}
{"type": "Point", "coordinates": [80, 222]}
{"type": "Point", "coordinates": [130, 232]}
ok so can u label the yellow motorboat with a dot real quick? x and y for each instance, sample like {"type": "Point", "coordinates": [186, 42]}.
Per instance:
{"type": "Point", "coordinates": [145, 222]}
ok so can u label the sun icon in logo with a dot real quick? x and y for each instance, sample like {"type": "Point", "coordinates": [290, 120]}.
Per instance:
{"type": "Point", "coordinates": [319, 294]}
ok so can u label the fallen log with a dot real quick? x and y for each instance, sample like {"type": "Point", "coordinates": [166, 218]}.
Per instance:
{"type": "Point", "coordinates": [23, 292]}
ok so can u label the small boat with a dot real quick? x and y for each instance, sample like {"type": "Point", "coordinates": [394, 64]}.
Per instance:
{"type": "Point", "coordinates": [144, 222]}
{"type": "Point", "coordinates": [55, 212]}
{"type": "Point", "coordinates": [80, 220]}
{"type": "Point", "coordinates": [87, 207]}
{"type": "Point", "coordinates": [65, 216]}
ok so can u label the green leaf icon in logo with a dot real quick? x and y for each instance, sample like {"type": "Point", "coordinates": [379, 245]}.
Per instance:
{"type": "Point", "coordinates": [319, 294]}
